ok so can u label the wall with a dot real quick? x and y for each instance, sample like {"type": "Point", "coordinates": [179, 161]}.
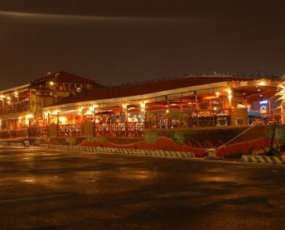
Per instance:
{"type": "Point", "coordinates": [226, 140]}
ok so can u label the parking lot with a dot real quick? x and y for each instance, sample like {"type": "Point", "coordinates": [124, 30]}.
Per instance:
{"type": "Point", "coordinates": [55, 189]}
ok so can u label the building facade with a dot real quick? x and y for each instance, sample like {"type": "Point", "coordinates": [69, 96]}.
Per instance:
{"type": "Point", "coordinates": [189, 102]}
{"type": "Point", "coordinates": [188, 114]}
{"type": "Point", "coordinates": [21, 109]}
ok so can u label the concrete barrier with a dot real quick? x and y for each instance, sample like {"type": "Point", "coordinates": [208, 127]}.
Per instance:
{"type": "Point", "coordinates": [11, 144]}
{"type": "Point", "coordinates": [263, 159]}
{"type": "Point", "coordinates": [141, 152]}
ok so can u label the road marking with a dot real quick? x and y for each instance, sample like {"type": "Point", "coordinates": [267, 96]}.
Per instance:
{"type": "Point", "coordinates": [263, 159]}
{"type": "Point", "coordinates": [141, 152]}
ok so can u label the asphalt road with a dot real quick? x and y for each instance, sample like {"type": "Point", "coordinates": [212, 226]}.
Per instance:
{"type": "Point", "coordinates": [51, 190]}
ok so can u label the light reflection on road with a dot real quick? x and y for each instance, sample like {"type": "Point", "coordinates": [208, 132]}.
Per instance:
{"type": "Point", "coordinates": [29, 180]}
{"type": "Point", "coordinates": [140, 175]}
{"type": "Point", "coordinates": [217, 179]}
{"type": "Point", "coordinates": [73, 190]}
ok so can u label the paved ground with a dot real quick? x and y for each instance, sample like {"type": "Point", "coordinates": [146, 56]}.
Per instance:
{"type": "Point", "coordinates": [44, 189]}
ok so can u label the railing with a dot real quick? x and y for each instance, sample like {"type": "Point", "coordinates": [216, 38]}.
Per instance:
{"type": "Point", "coordinates": [120, 129]}
{"type": "Point", "coordinates": [273, 119]}
{"type": "Point", "coordinates": [69, 130]}
{"type": "Point", "coordinates": [193, 121]}
{"type": "Point", "coordinates": [15, 108]}
{"type": "Point", "coordinates": [37, 131]}
{"type": "Point", "coordinates": [13, 134]}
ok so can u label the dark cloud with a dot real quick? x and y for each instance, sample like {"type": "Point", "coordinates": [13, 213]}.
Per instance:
{"type": "Point", "coordinates": [119, 41]}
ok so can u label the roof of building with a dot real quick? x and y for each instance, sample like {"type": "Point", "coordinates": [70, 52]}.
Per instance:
{"type": "Point", "coordinates": [62, 76]}
{"type": "Point", "coordinates": [149, 87]}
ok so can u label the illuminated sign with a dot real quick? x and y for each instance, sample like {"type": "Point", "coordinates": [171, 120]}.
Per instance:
{"type": "Point", "coordinates": [263, 109]}
{"type": "Point", "coordinates": [263, 102]}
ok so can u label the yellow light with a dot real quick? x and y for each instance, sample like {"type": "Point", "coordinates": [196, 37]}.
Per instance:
{"type": "Point", "coordinates": [93, 107]}
{"type": "Point", "coordinates": [89, 112]}
{"type": "Point", "coordinates": [280, 86]}
{"type": "Point", "coordinates": [142, 106]}
{"type": "Point", "coordinates": [62, 120]}
{"type": "Point", "coordinates": [29, 116]}
{"type": "Point", "coordinates": [261, 83]}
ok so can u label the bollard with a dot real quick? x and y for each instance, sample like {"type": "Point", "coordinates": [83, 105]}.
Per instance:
{"type": "Point", "coordinates": [211, 153]}
{"type": "Point", "coordinates": [26, 143]}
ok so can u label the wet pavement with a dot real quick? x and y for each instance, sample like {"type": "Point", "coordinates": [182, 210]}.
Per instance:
{"type": "Point", "coordinates": [52, 189]}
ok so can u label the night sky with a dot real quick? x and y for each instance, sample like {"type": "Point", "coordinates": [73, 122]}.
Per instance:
{"type": "Point", "coordinates": [119, 41]}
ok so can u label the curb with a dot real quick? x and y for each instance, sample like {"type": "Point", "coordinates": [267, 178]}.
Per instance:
{"type": "Point", "coordinates": [140, 152]}
{"type": "Point", "coordinates": [9, 144]}
{"type": "Point", "coordinates": [263, 159]}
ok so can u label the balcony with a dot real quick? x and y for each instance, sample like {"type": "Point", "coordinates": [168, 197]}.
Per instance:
{"type": "Point", "coordinates": [17, 107]}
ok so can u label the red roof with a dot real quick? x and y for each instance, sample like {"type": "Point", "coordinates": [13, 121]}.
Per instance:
{"type": "Point", "coordinates": [62, 76]}
{"type": "Point", "coordinates": [146, 88]}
